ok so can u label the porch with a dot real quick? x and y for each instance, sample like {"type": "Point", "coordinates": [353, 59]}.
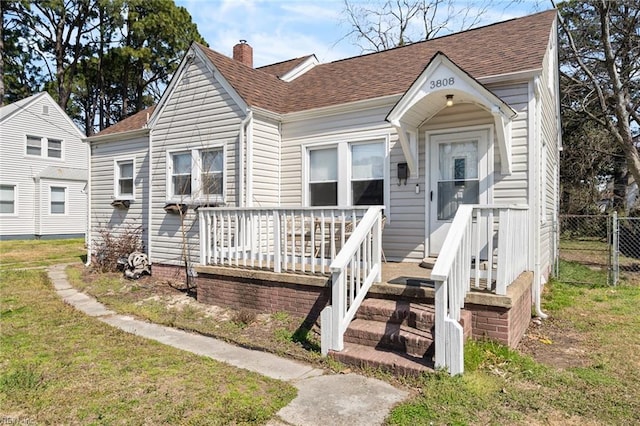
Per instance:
{"type": "Point", "coordinates": [327, 264]}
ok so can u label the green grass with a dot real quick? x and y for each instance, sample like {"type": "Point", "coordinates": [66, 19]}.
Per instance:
{"type": "Point", "coordinates": [58, 366]}
{"type": "Point", "coordinates": [15, 254]}
{"type": "Point", "coordinates": [279, 333]}
{"type": "Point", "coordinates": [501, 386]}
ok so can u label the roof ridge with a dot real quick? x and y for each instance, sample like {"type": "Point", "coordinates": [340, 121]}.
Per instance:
{"type": "Point", "coordinates": [458, 33]}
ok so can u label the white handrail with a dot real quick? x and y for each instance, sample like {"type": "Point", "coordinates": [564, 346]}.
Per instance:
{"type": "Point", "coordinates": [353, 271]}
{"type": "Point", "coordinates": [465, 253]}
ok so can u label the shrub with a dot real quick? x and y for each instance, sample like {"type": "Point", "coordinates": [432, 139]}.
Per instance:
{"type": "Point", "coordinates": [114, 244]}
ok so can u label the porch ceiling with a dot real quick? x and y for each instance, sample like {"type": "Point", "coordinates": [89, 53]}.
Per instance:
{"type": "Point", "coordinates": [428, 95]}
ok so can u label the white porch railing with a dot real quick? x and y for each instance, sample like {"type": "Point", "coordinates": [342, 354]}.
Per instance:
{"type": "Point", "coordinates": [354, 270]}
{"type": "Point", "coordinates": [280, 239]}
{"type": "Point", "coordinates": [469, 251]}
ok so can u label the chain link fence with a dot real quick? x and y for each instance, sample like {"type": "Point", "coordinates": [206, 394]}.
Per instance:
{"type": "Point", "coordinates": [598, 249]}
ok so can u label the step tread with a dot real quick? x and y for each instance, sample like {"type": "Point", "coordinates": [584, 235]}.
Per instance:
{"type": "Point", "coordinates": [400, 311]}
{"type": "Point", "coordinates": [381, 328]}
{"type": "Point", "coordinates": [393, 336]}
{"type": "Point", "coordinates": [394, 362]}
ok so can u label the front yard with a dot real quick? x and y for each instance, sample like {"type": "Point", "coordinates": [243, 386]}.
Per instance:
{"type": "Point", "coordinates": [580, 366]}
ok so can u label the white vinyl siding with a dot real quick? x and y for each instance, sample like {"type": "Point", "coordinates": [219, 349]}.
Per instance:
{"type": "Point", "coordinates": [8, 196]}
{"type": "Point", "coordinates": [264, 181]}
{"type": "Point", "coordinates": [104, 216]}
{"type": "Point", "coordinates": [198, 114]}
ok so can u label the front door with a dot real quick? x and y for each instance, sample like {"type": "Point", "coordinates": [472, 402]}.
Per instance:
{"type": "Point", "coordinates": [458, 175]}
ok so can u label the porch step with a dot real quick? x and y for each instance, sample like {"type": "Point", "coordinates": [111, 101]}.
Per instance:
{"type": "Point", "coordinates": [394, 336]}
{"type": "Point", "coordinates": [383, 359]}
{"type": "Point", "coordinates": [417, 315]}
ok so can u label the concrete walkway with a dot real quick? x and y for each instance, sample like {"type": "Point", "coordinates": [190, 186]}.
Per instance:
{"type": "Point", "coordinates": [323, 398]}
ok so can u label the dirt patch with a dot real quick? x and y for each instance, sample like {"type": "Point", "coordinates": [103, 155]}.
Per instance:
{"type": "Point", "coordinates": [555, 343]}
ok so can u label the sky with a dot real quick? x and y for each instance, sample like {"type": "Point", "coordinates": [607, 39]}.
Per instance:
{"type": "Point", "coordinates": [279, 30]}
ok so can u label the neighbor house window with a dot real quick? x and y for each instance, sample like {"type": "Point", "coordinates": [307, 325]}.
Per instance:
{"type": "Point", "coordinates": [323, 177]}
{"type": "Point", "coordinates": [58, 200]}
{"type": "Point", "coordinates": [348, 173]}
{"type": "Point", "coordinates": [124, 180]}
{"type": "Point", "coordinates": [44, 147]}
{"type": "Point", "coordinates": [367, 174]}
{"type": "Point", "coordinates": [34, 145]}
{"type": "Point", "coordinates": [211, 172]}
{"type": "Point", "coordinates": [54, 148]}
{"type": "Point", "coordinates": [196, 175]}
{"type": "Point", "coordinates": [7, 199]}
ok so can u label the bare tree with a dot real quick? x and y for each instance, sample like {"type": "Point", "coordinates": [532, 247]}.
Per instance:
{"type": "Point", "coordinates": [377, 25]}
{"type": "Point", "coordinates": [600, 69]}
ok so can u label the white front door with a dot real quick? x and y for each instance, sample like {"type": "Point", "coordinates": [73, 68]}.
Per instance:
{"type": "Point", "coordinates": [458, 175]}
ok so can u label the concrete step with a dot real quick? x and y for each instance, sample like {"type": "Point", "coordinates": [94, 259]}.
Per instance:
{"type": "Point", "coordinates": [392, 362]}
{"type": "Point", "coordinates": [393, 336]}
{"type": "Point", "coordinates": [417, 315]}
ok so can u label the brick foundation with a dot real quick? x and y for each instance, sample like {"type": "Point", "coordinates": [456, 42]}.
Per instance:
{"type": "Point", "coordinates": [502, 318]}
{"type": "Point", "coordinates": [505, 324]}
{"type": "Point", "coordinates": [262, 291]}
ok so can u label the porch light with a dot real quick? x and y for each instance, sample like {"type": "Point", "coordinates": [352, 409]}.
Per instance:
{"type": "Point", "coordinates": [449, 100]}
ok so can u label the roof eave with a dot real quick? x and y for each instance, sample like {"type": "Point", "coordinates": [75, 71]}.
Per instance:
{"type": "Point", "coordinates": [127, 134]}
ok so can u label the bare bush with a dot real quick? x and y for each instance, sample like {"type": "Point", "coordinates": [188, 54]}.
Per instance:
{"type": "Point", "coordinates": [114, 244]}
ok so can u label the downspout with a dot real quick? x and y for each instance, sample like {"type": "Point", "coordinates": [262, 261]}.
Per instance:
{"type": "Point", "coordinates": [149, 196]}
{"type": "Point", "coordinates": [89, 222]}
{"type": "Point", "coordinates": [534, 192]}
{"type": "Point", "coordinates": [241, 173]}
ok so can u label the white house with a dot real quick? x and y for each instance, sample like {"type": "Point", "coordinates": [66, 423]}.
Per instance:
{"type": "Point", "coordinates": [287, 187]}
{"type": "Point", "coordinates": [43, 171]}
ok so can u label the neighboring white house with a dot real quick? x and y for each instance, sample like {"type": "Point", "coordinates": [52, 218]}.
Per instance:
{"type": "Point", "coordinates": [43, 171]}
{"type": "Point", "coordinates": [252, 154]}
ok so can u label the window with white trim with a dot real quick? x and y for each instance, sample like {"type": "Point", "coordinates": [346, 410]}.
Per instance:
{"type": "Point", "coordinates": [54, 148]}
{"type": "Point", "coordinates": [125, 188]}
{"type": "Point", "coordinates": [38, 146]}
{"type": "Point", "coordinates": [347, 173]}
{"type": "Point", "coordinates": [34, 145]}
{"type": "Point", "coordinates": [58, 198]}
{"type": "Point", "coordinates": [7, 199]}
{"type": "Point", "coordinates": [196, 175]}
{"type": "Point", "coordinates": [323, 177]}
{"type": "Point", "coordinates": [211, 171]}
{"type": "Point", "coordinates": [367, 174]}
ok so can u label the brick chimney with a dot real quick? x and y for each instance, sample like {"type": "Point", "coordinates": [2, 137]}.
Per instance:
{"type": "Point", "coordinates": [242, 52]}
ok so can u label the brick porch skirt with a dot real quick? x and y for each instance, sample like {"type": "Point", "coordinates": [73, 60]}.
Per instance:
{"type": "Point", "coordinates": [500, 318]}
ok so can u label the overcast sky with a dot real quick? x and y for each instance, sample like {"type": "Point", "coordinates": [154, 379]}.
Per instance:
{"type": "Point", "coordinates": [284, 29]}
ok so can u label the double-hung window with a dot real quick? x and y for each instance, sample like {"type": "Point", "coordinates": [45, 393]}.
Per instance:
{"type": "Point", "coordinates": [54, 148]}
{"type": "Point", "coordinates": [367, 174]}
{"type": "Point", "coordinates": [211, 172]}
{"type": "Point", "coordinates": [347, 173]}
{"type": "Point", "coordinates": [7, 199]}
{"type": "Point", "coordinates": [181, 174]}
{"type": "Point", "coordinates": [323, 177]}
{"type": "Point", "coordinates": [58, 198]}
{"type": "Point", "coordinates": [196, 175]}
{"type": "Point", "coordinates": [34, 145]}
{"type": "Point", "coordinates": [124, 180]}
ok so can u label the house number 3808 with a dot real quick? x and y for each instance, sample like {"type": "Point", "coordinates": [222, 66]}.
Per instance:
{"type": "Point", "coordinates": [443, 82]}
